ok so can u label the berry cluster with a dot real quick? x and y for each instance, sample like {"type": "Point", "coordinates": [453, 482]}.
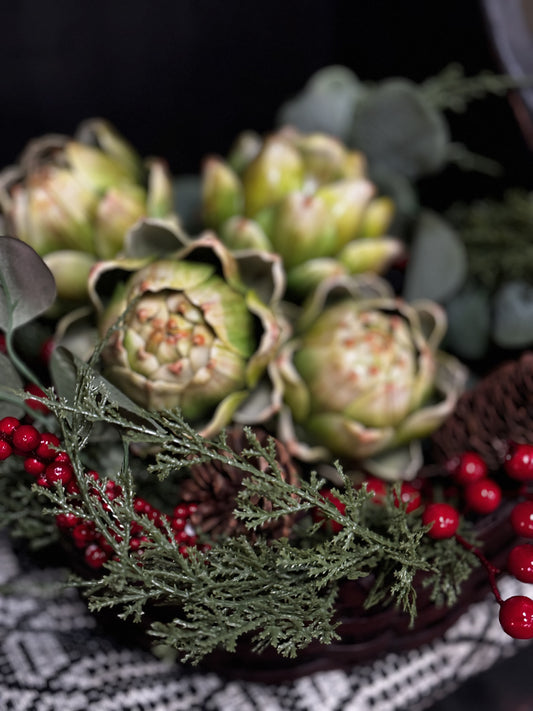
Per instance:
{"type": "Point", "coordinates": [482, 495]}
{"type": "Point", "coordinates": [50, 465]}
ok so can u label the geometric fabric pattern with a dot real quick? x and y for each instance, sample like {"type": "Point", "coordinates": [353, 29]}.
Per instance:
{"type": "Point", "coordinates": [54, 656]}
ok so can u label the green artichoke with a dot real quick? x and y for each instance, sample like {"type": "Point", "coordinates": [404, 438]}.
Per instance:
{"type": "Point", "coordinates": [365, 376]}
{"type": "Point", "coordinates": [74, 199]}
{"type": "Point", "coordinates": [304, 197]}
{"type": "Point", "coordinates": [187, 331]}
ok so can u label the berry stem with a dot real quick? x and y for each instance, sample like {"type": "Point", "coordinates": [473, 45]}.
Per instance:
{"type": "Point", "coordinates": [18, 363]}
{"type": "Point", "coordinates": [492, 571]}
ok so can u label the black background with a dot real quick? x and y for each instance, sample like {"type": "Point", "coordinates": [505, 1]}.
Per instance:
{"type": "Point", "coordinates": [180, 78]}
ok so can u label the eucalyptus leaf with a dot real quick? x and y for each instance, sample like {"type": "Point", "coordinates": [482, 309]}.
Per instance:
{"type": "Point", "coordinates": [468, 322]}
{"type": "Point", "coordinates": [437, 265]}
{"type": "Point", "coordinates": [63, 372]}
{"type": "Point", "coordinates": [326, 103]}
{"type": "Point", "coordinates": [9, 380]}
{"type": "Point", "coordinates": [68, 371]}
{"type": "Point", "coordinates": [187, 191]}
{"type": "Point", "coordinates": [399, 131]}
{"type": "Point", "coordinates": [27, 287]}
{"type": "Point", "coordinates": [513, 315]}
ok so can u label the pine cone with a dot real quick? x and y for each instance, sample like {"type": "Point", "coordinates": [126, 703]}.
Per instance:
{"type": "Point", "coordinates": [214, 486]}
{"type": "Point", "coordinates": [498, 410]}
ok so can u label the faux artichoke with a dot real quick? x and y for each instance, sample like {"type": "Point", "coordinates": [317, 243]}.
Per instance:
{"type": "Point", "coordinates": [191, 333]}
{"type": "Point", "coordinates": [365, 376]}
{"type": "Point", "coordinates": [304, 197]}
{"type": "Point", "coordinates": [74, 199]}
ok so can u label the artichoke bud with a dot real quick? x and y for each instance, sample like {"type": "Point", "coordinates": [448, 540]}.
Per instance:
{"type": "Point", "coordinates": [305, 277]}
{"type": "Point", "coordinates": [96, 170]}
{"type": "Point", "coordinates": [159, 198]}
{"type": "Point", "coordinates": [100, 133]}
{"type": "Point", "coordinates": [347, 201]}
{"type": "Point", "coordinates": [117, 211]}
{"type": "Point", "coordinates": [354, 165]}
{"type": "Point", "coordinates": [370, 255]}
{"type": "Point", "coordinates": [242, 233]}
{"type": "Point", "coordinates": [244, 150]}
{"type": "Point", "coordinates": [377, 217]}
{"type": "Point", "coordinates": [373, 378]}
{"type": "Point", "coordinates": [276, 171]}
{"type": "Point", "coordinates": [221, 193]}
{"type": "Point", "coordinates": [303, 229]}
{"type": "Point", "coordinates": [324, 157]}
{"type": "Point", "coordinates": [53, 213]}
{"type": "Point", "coordinates": [71, 270]}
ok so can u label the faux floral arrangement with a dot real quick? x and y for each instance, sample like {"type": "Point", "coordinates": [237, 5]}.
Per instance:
{"type": "Point", "coordinates": [228, 425]}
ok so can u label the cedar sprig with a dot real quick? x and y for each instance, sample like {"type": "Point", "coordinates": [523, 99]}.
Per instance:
{"type": "Point", "coordinates": [453, 91]}
{"type": "Point", "coordinates": [280, 592]}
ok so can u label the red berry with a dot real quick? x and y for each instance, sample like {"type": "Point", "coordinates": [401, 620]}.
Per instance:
{"type": "Point", "coordinates": [136, 543]}
{"type": "Point", "coordinates": [48, 446]}
{"type": "Point", "coordinates": [377, 487]}
{"type": "Point", "coordinates": [95, 556]}
{"type": "Point", "coordinates": [519, 462]}
{"type": "Point", "coordinates": [112, 490]}
{"type": "Point", "coordinates": [3, 346]}
{"type": "Point", "coordinates": [468, 467]}
{"type": "Point", "coordinates": [141, 506]}
{"type": "Point", "coordinates": [444, 520]}
{"type": "Point", "coordinates": [35, 404]}
{"type": "Point", "coordinates": [410, 496]}
{"type": "Point", "coordinates": [181, 511]}
{"type": "Point", "coordinates": [6, 450]}
{"type": "Point", "coordinates": [192, 509]}
{"type": "Point", "coordinates": [178, 524]}
{"type": "Point", "coordinates": [8, 425]}
{"type": "Point", "coordinates": [62, 458]}
{"type": "Point", "coordinates": [181, 537]}
{"type": "Point", "coordinates": [522, 519]}
{"type": "Point", "coordinates": [25, 438]}
{"type": "Point", "coordinates": [72, 487]}
{"type": "Point", "coordinates": [319, 516]}
{"type": "Point", "coordinates": [136, 528]}
{"type": "Point", "coordinates": [83, 533]}
{"type": "Point", "coordinates": [46, 350]}
{"type": "Point", "coordinates": [520, 562]}
{"type": "Point", "coordinates": [483, 496]}
{"type": "Point", "coordinates": [104, 544]}
{"type": "Point", "coordinates": [67, 520]}
{"type": "Point", "coordinates": [34, 466]}
{"type": "Point", "coordinates": [516, 617]}
{"type": "Point", "coordinates": [184, 550]}
{"type": "Point", "coordinates": [55, 472]}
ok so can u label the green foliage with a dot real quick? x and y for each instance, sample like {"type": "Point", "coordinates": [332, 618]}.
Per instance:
{"type": "Point", "coordinates": [282, 593]}
{"type": "Point", "coordinates": [497, 237]}
{"type": "Point", "coordinates": [21, 508]}
{"type": "Point", "coordinates": [452, 90]}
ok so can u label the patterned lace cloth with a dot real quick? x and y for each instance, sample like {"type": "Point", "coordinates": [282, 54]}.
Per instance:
{"type": "Point", "coordinates": [55, 657]}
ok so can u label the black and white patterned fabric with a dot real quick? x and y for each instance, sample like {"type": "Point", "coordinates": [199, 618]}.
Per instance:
{"type": "Point", "coordinates": [54, 657]}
